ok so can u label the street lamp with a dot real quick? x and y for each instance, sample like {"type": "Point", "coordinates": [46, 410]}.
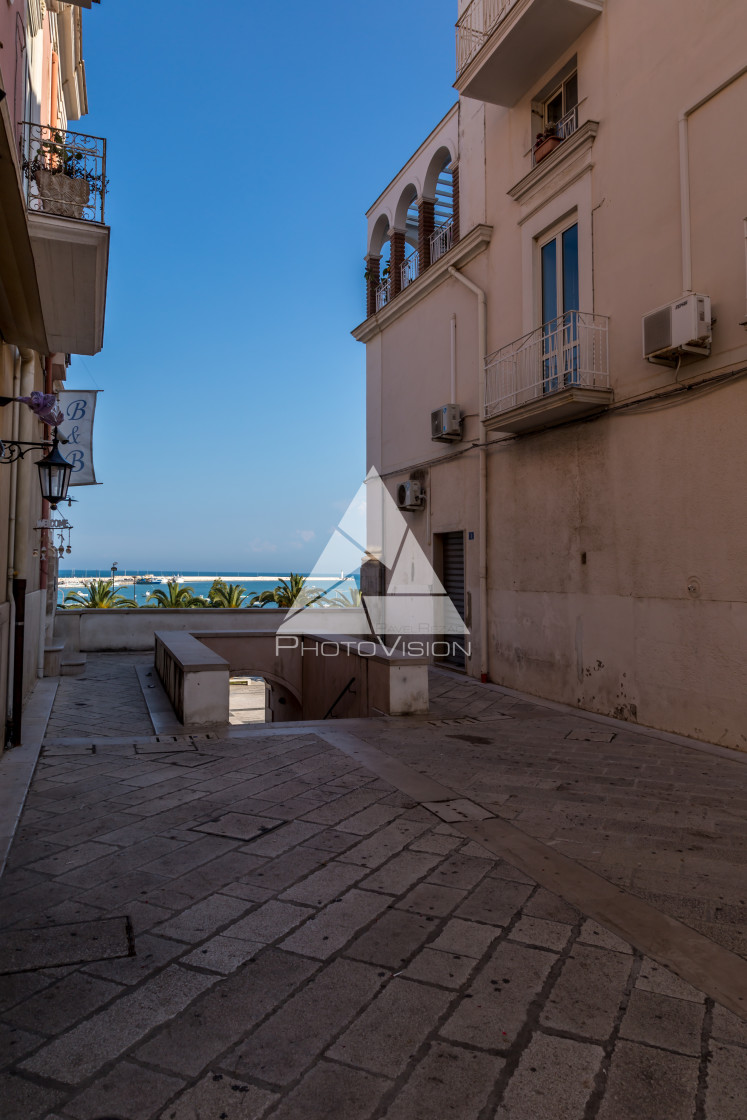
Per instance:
{"type": "Point", "coordinates": [54, 470]}
{"type": "Point", "coordinates": [54, 475]}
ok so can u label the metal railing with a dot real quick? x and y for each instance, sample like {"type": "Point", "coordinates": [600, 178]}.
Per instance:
{"type": "Point", "coordinates": [383, 294]}
{"type": "Point", "coordinates": [572, 350]}
{"type": "Point", "coordinates": [64, 172]}
{"type": "Point", "coordinates": [441, 240]}
{"type": "Point", "coordinates": [410, 269]}
{"type": "Point", "coordinates": [475, 26]}
{"type": "Point", "coordinates": [563, 129]}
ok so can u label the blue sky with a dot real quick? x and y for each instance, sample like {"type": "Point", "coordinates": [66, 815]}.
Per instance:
{"type": "Point", "coordinates": [243, 152]}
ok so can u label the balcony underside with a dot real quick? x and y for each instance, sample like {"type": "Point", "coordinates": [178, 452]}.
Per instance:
{"type": "Point", "coordinates": [572, 403]}
{"type": "Point", "coordinates": [523, 46]}
{"type": "Point", "coordinates": [21, 320]}
{"type": "Point", "coordinates": [72, 261]}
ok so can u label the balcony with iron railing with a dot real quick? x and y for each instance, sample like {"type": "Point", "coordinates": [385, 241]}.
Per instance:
{"type": "Point", "coordinates": [410, 269]}
{"type": "Point", "coordinates": [505, 46]}
{"type": "Point", "coordinates": [383, 294]}
{"type": "Point", "coordinates": [556, 373]}
{"type": "Point", "coordinates": [65, 185]}
{"type": "Point", "coordinates": [64, 172]}
{"type": "Point", "coordinates": [441, 240]}
{"type": "Point", "coordinates": [554, 135]}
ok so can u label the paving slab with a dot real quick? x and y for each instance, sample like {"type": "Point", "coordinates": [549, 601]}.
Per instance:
{"type": "Point", "coordinates": [216, 1095]}
{"type": "Point", "coordinates": [333, 1092]}
{"type": "Point", "coordinates": [554, 1080]}
{"type": "Point", "coordinates": [240, 826]}
{"type": "Point", "coordinates": [384, 1039]}
{"type": "Point", "coordinates": [25, 950]}
{"type": "Point", "coordinates": [650, 1084]}
{"type": "Point", "coordinates": [128, 1090]}
{"type": "Point", "coordinates": [448, 1082]}
{"type": "Point", "coordinates": [288, 1042]}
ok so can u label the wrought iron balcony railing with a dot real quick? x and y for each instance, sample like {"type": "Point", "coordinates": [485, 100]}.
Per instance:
{"type": "Point", "coordinates": [64, 172]}
{"type": "Point", "coordinates": [410, 269]}
{"type": "Point", "coordinates": [572, 350]}
{"type": "Point", "coordinates": [383, 294]}
{"type": "Point", "coordinates": [561, 130]}
{"type": "Point", "coordinates": [475, 26]}
{"type": "Point", "coordinates": [441, 240]}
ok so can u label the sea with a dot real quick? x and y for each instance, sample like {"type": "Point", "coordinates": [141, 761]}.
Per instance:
{"type": "Point", "coordinates": [72, 579]}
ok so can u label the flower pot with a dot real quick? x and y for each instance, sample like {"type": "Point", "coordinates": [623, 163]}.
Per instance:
{"type": "Point", "coordinates": [545, 147]}
{"type": "Point", "coordinates": [61, 195]}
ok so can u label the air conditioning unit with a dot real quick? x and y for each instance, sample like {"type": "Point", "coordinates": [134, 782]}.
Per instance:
{"type": "Point", "coordinates": [679, 328]}
{"type": "Point", "coordinates": [446, 423]}
{"type": "Point", "coordinates": [410, 494]}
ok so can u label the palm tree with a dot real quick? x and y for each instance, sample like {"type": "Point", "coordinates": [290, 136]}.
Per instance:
{"type": "Point", "coordinates": [292, 592]}
{"type": "Point", "coordinates": [175, 596]}
{"type": "Point", "coordinates": [99, 594]}
{"type": "Point", "coordinates": [351, 598]}
{"type": "Point", "coordinates": [223, 594]}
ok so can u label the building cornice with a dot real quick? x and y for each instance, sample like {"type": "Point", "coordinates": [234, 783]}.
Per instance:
{"type": "Point", "coordinates": [465, 250]}
{"type": "Point", "coordinates": [557, 171]}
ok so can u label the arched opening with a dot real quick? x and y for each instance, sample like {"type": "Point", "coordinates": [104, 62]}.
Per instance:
{"type": "Point", "coordinates": [378, 280]}
{"type": "Point", "coordinates": [407, 220]}
{"type": "Point", "coordinates": [256, 697]}
{"type": "Point", "coordinates": [440, 187]}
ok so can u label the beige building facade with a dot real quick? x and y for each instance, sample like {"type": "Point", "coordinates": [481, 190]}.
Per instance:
{"type": "Point", "coordinates": [559, 274]}
{"type": "Point", "coordinates": [54, 252]}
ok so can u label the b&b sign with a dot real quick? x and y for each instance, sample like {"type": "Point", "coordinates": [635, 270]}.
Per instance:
{"type": "Point", "coordinates": [77, 428]}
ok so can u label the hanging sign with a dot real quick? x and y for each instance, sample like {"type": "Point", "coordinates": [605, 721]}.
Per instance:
{"type": "Point", "coordinates": [77, 428]}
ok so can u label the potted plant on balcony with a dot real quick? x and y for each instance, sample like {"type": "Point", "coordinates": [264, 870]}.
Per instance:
{"type": "Point", "coordinates": [546, 143]}
{"type": "Point", "coordinates": [63, 180]}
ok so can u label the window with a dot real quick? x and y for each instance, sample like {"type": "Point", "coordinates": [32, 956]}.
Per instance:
{"type": "Point", "coordinates": [559, 109]}
{"type": "Point", "coordinates": [559, 284]}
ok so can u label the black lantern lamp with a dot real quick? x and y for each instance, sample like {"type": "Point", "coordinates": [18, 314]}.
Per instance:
{"type": "Point", "coordinates": [54, 475]}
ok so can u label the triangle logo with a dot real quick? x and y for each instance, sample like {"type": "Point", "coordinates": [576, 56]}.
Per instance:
{"type": "Point", "coordinates": [410, 599]}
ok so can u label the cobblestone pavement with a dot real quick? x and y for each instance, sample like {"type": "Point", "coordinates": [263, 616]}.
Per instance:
{"type": "Point", "coordinates": [313, 943]}
{"type": "Point", "coordinates": [665, 822]}
{"type": "Point", "coordinates": [105, 700]}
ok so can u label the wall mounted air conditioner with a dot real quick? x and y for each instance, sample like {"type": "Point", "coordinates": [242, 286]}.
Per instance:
{"type": "Point", "coordinates": [446, 423]}
{"type": "Point", "coordinates": [410, 495]}
{"type": "Point", "coordinates": [678, 329]}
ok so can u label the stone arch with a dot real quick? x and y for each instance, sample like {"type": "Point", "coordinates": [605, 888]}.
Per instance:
{"type": "Point", "coordinates": [405, 216]}
{"type": "Point", "coordinates": [274, 678]}
{"type": "Point", "coordinates": [379, 235]}
{"type": "Point", "coordinates": [441, 159]}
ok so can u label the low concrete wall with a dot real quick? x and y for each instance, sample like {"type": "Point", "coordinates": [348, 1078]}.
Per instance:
{"type": "Point", "coordinates": [121, 630]}
{"type": "Point", "coordinates": [313, 677]}
{"type": "Point", "coordinates": [378, 684]}
{"type": "Point", "coordinates": [195, 679]}
{"type": "Point", "coordinates": [133, 630]}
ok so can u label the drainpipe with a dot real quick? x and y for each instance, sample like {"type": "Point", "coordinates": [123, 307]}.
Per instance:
{"type": "Point", "coordinates": [13, 495]}
{"type": "Point", "coordinates": [21, 546]}
{"type": "Point", "coordinates": [482, 351]}
{"type": "Point", "coordinates": [687, 260]}
{"type": "Point", "coordinates": [45, 538]}
{"type": "Point", "coordinates": [744, 321]}
{"type": "Point", "coordinates": [453, 399]}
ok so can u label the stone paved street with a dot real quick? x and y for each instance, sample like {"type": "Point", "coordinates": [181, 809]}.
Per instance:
{"type": "Point", "coordinates": [320, 938]}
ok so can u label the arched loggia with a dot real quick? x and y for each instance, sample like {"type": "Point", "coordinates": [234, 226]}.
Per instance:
{"type": "Point", "coordinates": [422, 229]}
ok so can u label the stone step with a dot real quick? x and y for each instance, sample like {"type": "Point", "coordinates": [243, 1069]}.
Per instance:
{"type": "Point", "coordinates": [72, 664]}
{"type": "Point", "coordinates": [52, 657]}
